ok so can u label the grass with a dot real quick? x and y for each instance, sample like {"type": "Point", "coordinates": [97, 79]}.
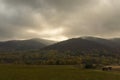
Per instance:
{"type": "Point", "coordinates": [22, 72]}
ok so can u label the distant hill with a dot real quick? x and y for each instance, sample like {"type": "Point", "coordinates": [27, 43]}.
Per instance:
{"type": "Point", "coordinates": [86, 44]}
{"type": "Point", "coordinates": [21, 45]}
{"type": "Point", "coordinates": [116, 40]}
{"type": "Point", "coordinates": [113, 43]}
{"type": "Point", "coordinates": [82, 44]}
{"type": "Point", "coordinates": [44, 41]}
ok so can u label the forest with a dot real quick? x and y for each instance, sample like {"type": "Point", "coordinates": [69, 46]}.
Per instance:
{"type": "Point", "coordinates": [53, 57]}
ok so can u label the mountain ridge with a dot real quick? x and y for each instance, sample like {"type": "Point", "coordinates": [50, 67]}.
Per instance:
{"type": "Point", "coordinates": [86, 44]}
{"type": "Point", "coordinates": [21, 45]}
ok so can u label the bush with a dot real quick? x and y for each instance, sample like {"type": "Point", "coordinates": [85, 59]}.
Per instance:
{"type": "Point", "coordinates": [90, 66]}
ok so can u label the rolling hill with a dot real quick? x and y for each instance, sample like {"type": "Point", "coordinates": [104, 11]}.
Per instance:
{"type": "Point", "coordinates": [86, 44]}
{"type": "Point", "coordinates": [113, 43]}
{"type": "Point", "coordinates": [82, 44]}
{"type": "Point", "coordinates": [21, 45]}
{"type": "Point", "coordinates": [116, 40]}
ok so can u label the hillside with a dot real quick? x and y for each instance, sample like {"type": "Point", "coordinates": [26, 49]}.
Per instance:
{"type": "Point", "coordinates": [85, 44]}
{"type": "Point", "coordinates": [70, 52]}
{"type": "Point", "coordinates": [116, 40]}
{"type": "Point", "coordinates": [82, 44]}
{"type": "Point", "coordinates": [113, 43]}
{"type": "Point", "coordinates": [21, 45]}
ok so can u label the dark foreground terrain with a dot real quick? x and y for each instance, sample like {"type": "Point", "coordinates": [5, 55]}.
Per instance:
{"type": "Point", "coordinates": [23, 72]}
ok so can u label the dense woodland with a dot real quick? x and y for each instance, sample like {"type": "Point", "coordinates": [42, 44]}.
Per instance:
{"type": "Point", "coordinates": [53, 57]}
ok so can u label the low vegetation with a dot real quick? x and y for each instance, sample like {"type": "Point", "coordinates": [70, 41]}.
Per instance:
{"type": "Point", "coordinates": [54, 72]}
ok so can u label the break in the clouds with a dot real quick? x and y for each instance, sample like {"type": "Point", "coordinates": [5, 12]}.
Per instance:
{"type": "Point", "coordinates": [59, 19]}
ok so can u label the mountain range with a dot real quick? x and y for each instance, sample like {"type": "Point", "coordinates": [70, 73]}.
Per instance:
{"type": "Point", "coordinates": [87, 44]}
{"type": "Point", "coordinates": [82, 44]}
{"type": "Point", "coordinates": [24, 45]}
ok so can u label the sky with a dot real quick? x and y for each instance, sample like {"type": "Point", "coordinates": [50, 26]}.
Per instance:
{"type": "Point", "coordinates": [59, 19]}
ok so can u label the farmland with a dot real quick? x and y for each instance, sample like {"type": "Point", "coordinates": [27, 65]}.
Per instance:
{"type": "Point", "coordinates": [54, 72]}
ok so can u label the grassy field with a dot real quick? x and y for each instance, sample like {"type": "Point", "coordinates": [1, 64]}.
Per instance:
{"type": "Point", "coordinates": [20, 72]}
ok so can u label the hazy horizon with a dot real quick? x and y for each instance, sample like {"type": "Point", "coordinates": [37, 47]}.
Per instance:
{"type": "Point", "coordinates": [59, 19]}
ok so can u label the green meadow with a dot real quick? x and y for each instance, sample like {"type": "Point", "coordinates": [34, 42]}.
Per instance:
{"type": "Point", "coordinates": [49, 72]}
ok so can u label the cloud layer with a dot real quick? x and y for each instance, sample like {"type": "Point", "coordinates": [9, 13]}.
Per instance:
{"type": "Point", "coordinates": [59, 19]}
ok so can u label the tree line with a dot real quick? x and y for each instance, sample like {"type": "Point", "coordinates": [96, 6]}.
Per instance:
{"type": "Point", "coordinates": [53, 57]}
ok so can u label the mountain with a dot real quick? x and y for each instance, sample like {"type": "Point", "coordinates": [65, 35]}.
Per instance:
{"type": "Point", "coordinates": [108, 42]}
{"type": "Point", "coordinates": [44, 41]}
{"type": "Point", "coordinates": [116, 40]}
{"type": "Point", "coordinates": [82, 44]}
{"type": "Point", "coordinates": [86, 44]}
{"type": "Point", "coordinates": [21, 45]}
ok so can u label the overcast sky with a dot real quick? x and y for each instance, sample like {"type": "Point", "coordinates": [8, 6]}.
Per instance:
{"type": "Point", "coordinates": [59, 19]}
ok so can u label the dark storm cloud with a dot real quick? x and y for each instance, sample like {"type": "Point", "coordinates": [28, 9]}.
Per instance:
{"type": "Point", "coordinates": [21, 18]}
